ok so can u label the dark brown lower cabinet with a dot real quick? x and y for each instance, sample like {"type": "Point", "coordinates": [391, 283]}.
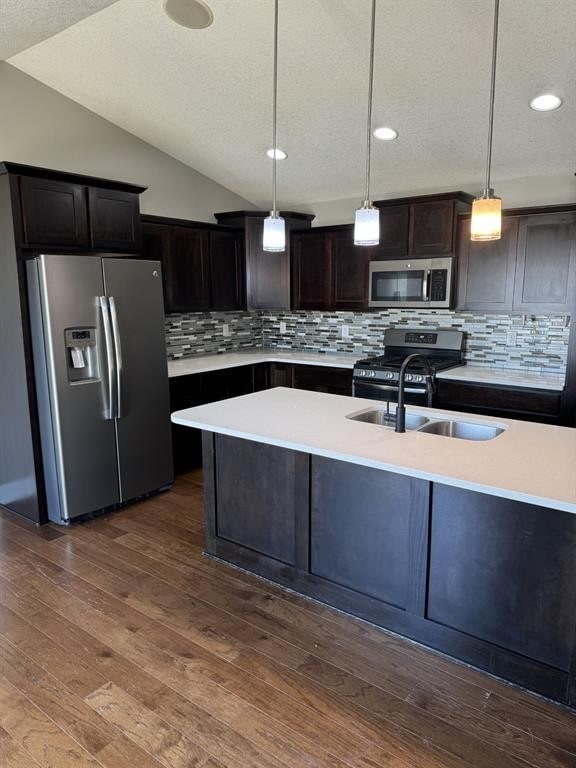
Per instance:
{"type": "Point", "coordinates": [378, 550]}
{"type": "Point", "coordinates": [516, 585]}
{"type": "Point", "coordinates": [487, 580]}
{"type": "Point", "coordinates": [494, 400]}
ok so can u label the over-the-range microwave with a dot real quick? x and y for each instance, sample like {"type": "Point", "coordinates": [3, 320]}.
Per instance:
{"type": "Point", "coordinates": [424, 283]}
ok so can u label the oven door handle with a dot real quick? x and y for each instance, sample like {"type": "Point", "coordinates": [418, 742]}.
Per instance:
{"type": "Point", "coordinates": [389, 388]}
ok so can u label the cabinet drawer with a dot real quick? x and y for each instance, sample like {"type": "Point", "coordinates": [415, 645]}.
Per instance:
{"type": "Point", "coordinates": [485, 398]}
{"type": "Point", "coordinates": [318, 378]}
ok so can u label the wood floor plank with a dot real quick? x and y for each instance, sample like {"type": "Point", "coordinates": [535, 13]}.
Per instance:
{"type": "Point", "coordinates": [12, 755]}
{"type": "Point", "coordinates": [148, 731]}
{"type": "Point", "coordinates": [37, 734]}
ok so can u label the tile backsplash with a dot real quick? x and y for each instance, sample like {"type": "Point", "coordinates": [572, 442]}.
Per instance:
{"type": "Point", "coordinates": [528, 342]}
{"type": "Point", "coordinates": [196, 333]}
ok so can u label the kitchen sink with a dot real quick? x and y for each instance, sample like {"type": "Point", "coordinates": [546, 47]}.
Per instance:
{"type": "Point", "coordinates": [385, 419]}
{"type": "Point", "coordinates": [464, 430]}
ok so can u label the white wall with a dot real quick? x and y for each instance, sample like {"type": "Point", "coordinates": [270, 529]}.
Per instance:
{"type": "Point", "coordinates": [41, 127]}
{"type": "Point", "coordinates": [515, 193]}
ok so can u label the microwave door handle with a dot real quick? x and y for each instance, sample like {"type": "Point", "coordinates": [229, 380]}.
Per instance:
{"type": "Point", "coordinates": [117, 354]}
{"type": "Point", "coordinates": [426, 286]}
{"type": "Point", "coordinates": [110, 359]}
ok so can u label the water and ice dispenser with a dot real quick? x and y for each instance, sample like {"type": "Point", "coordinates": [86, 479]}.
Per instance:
{"type": "Point", "coordinates": [81, 354]}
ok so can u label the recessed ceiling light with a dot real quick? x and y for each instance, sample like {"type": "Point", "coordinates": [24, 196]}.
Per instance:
{"type": "Point", "coordinates": [546, 103]}
{"type": "Point", "coordinates": [194, 14]}
{"type": "Point", "coordinates": [277, 153]}
{"type": "Point", "coordinates": [386, 134]}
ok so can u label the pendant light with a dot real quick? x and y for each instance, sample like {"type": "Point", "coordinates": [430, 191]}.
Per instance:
{"type": "Point", "coordinates": [486, 221]}
{"type": "Point", "coordinates": [274, 237]}
{"type": "Point", "coordinates": [367, 219]}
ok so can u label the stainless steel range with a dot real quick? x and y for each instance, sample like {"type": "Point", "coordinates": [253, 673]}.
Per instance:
{"type": "Point", "coordinates": [377, 377]}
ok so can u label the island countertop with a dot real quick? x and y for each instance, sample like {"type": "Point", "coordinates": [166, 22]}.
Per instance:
{"type": "Point", "coordinates": [533, 463]}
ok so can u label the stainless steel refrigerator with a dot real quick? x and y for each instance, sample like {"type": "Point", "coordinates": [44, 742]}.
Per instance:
{"type": "Point", "coordinates": [101, 380]}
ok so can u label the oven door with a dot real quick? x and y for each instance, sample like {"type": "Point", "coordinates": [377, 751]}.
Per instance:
{"type": "Point", "coordinates": [389, 393]}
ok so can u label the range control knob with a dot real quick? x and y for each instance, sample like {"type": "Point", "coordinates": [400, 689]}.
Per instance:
{"type": "Point", "coordinates": [372, 374]}
{"type": "Point", "coordinates": [390, 375]}
{"type": "Point", "coordinates": [409, 377]}
{"type": "Point", "coordinates": [418, 378]}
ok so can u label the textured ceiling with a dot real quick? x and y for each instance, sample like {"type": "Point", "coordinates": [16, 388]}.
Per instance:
{"type": "Point", "coordinates": [204, 96]}
{"type": "Point", "coordinates": [26, 22]}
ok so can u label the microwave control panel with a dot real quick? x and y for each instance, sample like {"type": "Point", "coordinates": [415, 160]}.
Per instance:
{"type": "Point", "coordinates": [438, 284]}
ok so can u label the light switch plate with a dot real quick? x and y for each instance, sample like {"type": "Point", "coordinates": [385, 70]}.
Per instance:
{"type": "Point", "coordinates": [226, 330]}
{"type": "Point", "coordinates": [511, 339]}
{"type": "Point", "coordinates": [345, 330]}
{"type": "Point", "coordinates": [282, 326]}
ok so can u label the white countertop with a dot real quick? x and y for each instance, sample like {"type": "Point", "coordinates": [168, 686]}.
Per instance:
{"type": "Point", "coordinates": [219, 361]}
{"type": "Point", "coordinates": [534, 463]}
{"type": "Point", "coordinates": [216, 362]}
{"type": "Point", "coordinates": [507, 378]}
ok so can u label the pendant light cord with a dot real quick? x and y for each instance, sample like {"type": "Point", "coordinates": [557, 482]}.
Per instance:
{"type": "Point", "coordinates": [492, 91]}
{"type": "Point", "coordinates": [274, 108]}
{"type": "Point", "coordinates": [369, 118]}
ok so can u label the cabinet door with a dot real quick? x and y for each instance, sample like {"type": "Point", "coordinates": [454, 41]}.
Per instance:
{"type": "Point", "coordinates": [187, 270]}
{"type": "Point", "coordinates": [368, 531]}
{"type": "Point", "coordinates": [53, 212]}
{"type": "Point", "coordinates": [281, 375]}
{"type": "Point", "coordinates": [486, 270]}
{"type": "Point", "coordinates": [114, 219]}
{"type": "Point", "coordinates": [393, 233]}
{"type": "Point", "coordinates": [349, 272]}
{"type": "Point", "coordinates": [546, 263]}
{"type": "Point", "coordinates": [259, 491]}
{"type": "Point", "coordinates": [226, 271]}
{"type": "Point", "coordinates": [431, 228]}
{"type": "Point", "coordinates": [267, 274]}
{"type": "Point", "coordinates": [504, 572]}
{"type": "Point", "coordinates": [311, 271]}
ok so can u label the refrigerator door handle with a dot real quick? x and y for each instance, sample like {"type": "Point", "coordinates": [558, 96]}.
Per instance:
{"type": "Point", "coordinates": [110, 359]}
{"type": "Point", "coordinates": [118, 355]}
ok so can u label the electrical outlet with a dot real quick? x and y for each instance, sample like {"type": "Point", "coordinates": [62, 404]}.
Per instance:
{"type": "Point", "coordinates": [226, 330]}
{"type": "Point", "coordinates": [511, 339]}
{"type": "Point", "coordinates": [345, 330]}
{"type": "Point", "coordinates": [282, 327]}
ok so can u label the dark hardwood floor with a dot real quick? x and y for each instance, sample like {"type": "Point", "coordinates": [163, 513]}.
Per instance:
{"type": "Point", "coordinates": [122, 646]}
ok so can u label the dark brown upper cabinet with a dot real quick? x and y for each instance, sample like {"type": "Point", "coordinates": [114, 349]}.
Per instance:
{"type": "Point", "coordinates": [546, 263]}
{"type": "Point", "coordinates": [267, 283]}
{"type": "Point", "coordinates": [349, 272]}
{"type": "Point", "coordinates": [63, 210]}
{"type": "Point", "coordinates": [114, 218]}
{"type": "Point", "coordinates": [311, 271]}
{"type": "Point", "coordinates": [431, 228]}
{"type": "Point", "coordinates": [53, 213]}
{"type": "Point", "coordinates": [486, 270]}
{"type": "Point", "coordinates": [187, 271]}
{"type": "Point", "coordinates": [532, 268]}
{"type": "Point", "coordinates": [226, 270]}
{"type": "Point", "coordinates": [203, 265]}
{"type": "Point", "coordinates": [419, 226]}
{"type": "Point", "coordinates": [394, 228]}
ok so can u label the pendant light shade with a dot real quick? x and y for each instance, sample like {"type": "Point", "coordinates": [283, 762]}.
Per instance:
{"type": "Point", "coordinates": [367, 219]}
{"type": "Point", "coordinates": [486, 223]}
{"type": "Point", "coordinates": [367, 225]}
{"type": "Point", "coordinates": [274, 235]}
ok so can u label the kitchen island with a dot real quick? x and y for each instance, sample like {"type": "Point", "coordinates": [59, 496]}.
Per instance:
{"type": "Point", "coordinates": [466, 546]}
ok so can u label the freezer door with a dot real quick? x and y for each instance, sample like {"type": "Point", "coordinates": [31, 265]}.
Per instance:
{"type": "Point", "coordinates": [78, 436]}
{"type": "Point", "coordinates": [134, 290]}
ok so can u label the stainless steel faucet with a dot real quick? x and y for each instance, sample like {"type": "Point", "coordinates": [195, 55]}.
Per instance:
{"type": "Point", "coordinates": [401, 408]}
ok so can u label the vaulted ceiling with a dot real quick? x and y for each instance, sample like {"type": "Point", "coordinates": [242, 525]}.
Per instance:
{"type": "Point", "coordinates": [204, 96]}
